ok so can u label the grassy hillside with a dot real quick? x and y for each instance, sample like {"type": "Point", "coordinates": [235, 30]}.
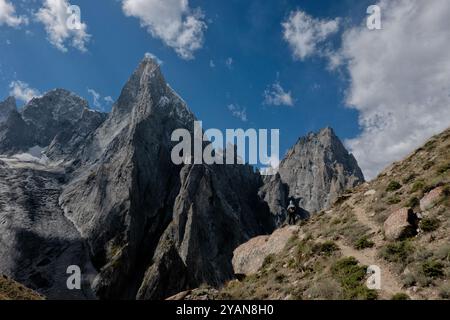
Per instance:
{"type": "Point", "coordinates": [329, 257]}
{"type": "Point", "coordinates": [11, 290]}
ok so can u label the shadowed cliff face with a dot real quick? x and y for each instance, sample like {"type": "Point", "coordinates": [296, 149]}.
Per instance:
{"type": "Point", "coordinates": [37, 242]}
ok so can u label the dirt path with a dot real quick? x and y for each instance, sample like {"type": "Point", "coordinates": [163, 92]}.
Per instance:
{"type": "Point", "coordinates": [389, 282]}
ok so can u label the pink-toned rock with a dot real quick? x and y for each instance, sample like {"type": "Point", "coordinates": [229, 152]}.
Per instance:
{"type": "Point", "coordinates": [249, 257]}
{"type": "Point", "coordinates": [431, 198]}
{"type": "Point", "coordinates": [401, 223]}
{"type": "Point", "coordinates": [180, 296]}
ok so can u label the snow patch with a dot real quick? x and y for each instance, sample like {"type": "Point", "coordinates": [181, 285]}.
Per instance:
{"type": "Point", "coordinates": [34, 155]}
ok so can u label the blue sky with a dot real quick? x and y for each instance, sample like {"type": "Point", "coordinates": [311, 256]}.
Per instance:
{"type": "Point", "coordinates": [249, 33]}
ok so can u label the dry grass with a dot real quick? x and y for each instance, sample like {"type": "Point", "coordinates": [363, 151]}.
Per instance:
{"type": "Point", "coordinates": [11, 290]}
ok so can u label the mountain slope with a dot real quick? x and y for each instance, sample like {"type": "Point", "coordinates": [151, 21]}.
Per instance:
{"type": "Point", "coordinates": [11, 290]}
{"type": "Point", "coordinates": [327, 259]}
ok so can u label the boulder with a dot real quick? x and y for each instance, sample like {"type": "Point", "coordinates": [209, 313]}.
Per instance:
{"type": "Point", "coordinates": [400, 224]}
{"type": "Point", "coordinates": [249, 257]}
{"type": "Point", "coordinates": [431, 198]}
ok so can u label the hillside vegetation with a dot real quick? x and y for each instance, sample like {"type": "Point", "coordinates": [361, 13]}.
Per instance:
{"type": "Point", "coordinates": [12, 290]}
{"type": "Point", "coordinates": [329, 256]}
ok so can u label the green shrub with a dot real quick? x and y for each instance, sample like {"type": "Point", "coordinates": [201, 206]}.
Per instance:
{"type": "Point", "coordinates": [413, 202]}
{"type": "Point", "coordinates": [443, 252]}
{"type": "Point", "coordinates": [400, 296]}
{"type": "Point", "coordinates": [268, 260]}
{"type": "Point", "coordinates": [430, 145]}
{"type": "Point", "coordinates": [327, 289]}
{"type": "Point", "coordinates": [409, 178]}
{"type": "Point", "coordinates": [417, 186]}
{"type": "Point", "coordinates": [351, 276]}
{"type": "Point", "coordinates": [429, 224]}
{"type": "Point", "coordinates": [428, 165]}
{"type": "Point", "coordinates": [393, 186]}
{"type": "Point", "coordinates": [363, 243]}
{"type": "Point", "coordinates": [279, 277]}
{"type": "Point", "coordinates": [393, 200]}
{"type": "Point", "coordinates": [409, 280]}
{"type": "Point", "coordinates": [443, 169]}
{"type": "Point", "coordinates": [398, 252]}
{"type": "Point", "coordinates": [433, 269]}
{"type": "Point", "coordinates": [326, 248]}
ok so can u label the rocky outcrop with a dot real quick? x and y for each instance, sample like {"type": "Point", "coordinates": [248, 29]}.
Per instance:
{"type": "Point", "coordinates": [15, 134]}
{"type": "Point", "coordinates": [275, 193]}
{"type": "Point", "coordinates": [70, 139]}
{"type": "Point", "coordinates": [249, 257]}
{"type": "Point", "coordinates": [432, 198]}
{"type": "Point", "coordinates": [318, 169]}
{"type": "Point", "coordinates": [400, 224]}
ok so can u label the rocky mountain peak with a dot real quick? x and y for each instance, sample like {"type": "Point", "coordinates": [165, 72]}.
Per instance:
{"type": "Point", "coordinates": [56, 105]}
{"type": "Point", "coordinates": [316, 170]}
{"type": "Point", "coordinates": [146, 83]}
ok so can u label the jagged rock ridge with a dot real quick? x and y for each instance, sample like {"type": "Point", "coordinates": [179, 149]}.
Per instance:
{"type": "Point", "coordinates": [145, 218]}
{"type": "Point", "coordinates": [58, 120]}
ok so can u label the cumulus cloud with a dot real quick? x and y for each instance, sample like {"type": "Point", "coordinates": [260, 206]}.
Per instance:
{"type": "Point", "coordinates": [229, 62]}
{"type": "Point", "coordinates": [399, 80]}
{"type": "Point", "coordinates": [100, 103]}
{"type": "Point", "coordinates": [96, 98]}
{"type": "Point", "coordinates": [275, 95]}
{"type": "Point", "coordinates": [108, 100]}
{"type": "Point", "coordinates": [304, 33]}
{"type": "Point", "coordinates": [54, 15]}
{"type": "Point", "coordinates": [172, 21]}
{"type": "Point", "coordinates": [22, 91]}
{"type": "Point", "coordinates": [8, 15]}
{"type": "Point", "coordinates": [238, 112]}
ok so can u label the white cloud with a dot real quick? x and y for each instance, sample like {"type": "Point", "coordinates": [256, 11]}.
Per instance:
{"type": "Point", "coordinates": [108, 100]}
{"type": "Point", "coordinates": [22, 91]}
{"type": "Point", "coordinates": [212, 64]}
{"type": "Point", "coordinates": [304, 33]}
{"type": "Point", "coordinates": [153, 57]}
{"type": "Point", "coordinates": [275, 95]}
{"type": "Point", "coordinates": [98, 99]}
{"type": "Point", "coordinates": [400, 80]}
{"type": "Point", "coordinates": [238, 112]}
{"type": "Point", "coordinates": [229, 62]}
{"type": "Point", "coordinates": [8, 15]}
{"type": "Point", "coordinates": [54, 16]}
{"type": "Point", "coordinates": [172, 21]}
